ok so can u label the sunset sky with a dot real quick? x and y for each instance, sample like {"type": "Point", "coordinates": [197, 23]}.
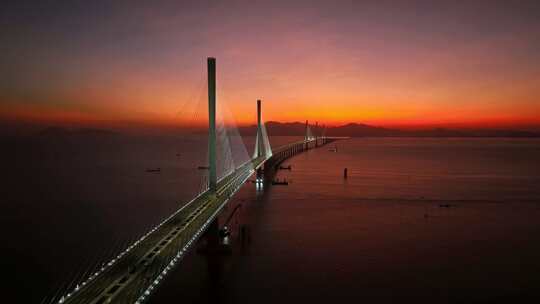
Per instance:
{"type": "Point", "coordinates": [390, 63]}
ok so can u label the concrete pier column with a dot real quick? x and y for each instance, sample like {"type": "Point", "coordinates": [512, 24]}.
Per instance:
{"type": "Point", "coordinates": [259, 177]}
{"type": "Point", "coordinates": [212, 235]}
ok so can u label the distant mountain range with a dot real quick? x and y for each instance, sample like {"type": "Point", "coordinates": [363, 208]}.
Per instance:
{"type": "Point", "coordinates": [298, 129]}
{"type": "Point", "coordinates": [362, 130]}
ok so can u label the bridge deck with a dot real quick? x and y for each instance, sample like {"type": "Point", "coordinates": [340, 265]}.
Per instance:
{"type": "Point", "coordinates": [136, 272]}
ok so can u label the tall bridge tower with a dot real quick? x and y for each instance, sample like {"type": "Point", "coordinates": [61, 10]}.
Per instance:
{"type": "Point", "coordinates": [259, 147]}
{"type": "Point", "coordinates": [260, 142]}
{"type": "Point", "coordinates": [212, 125]}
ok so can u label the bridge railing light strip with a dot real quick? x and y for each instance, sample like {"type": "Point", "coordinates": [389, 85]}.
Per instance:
{"type": "Point", "coordinates": [196, 236]}
{"type": "Point", "coordinates": [127, 250]}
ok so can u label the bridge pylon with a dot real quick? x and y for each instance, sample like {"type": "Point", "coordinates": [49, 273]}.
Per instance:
{"type": "Point", "coordinates": [212, 176]}
{"type": "Point", "coordinates": [262, 144]}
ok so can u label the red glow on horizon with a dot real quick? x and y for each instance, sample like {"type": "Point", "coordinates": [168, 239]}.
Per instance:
{"type": "Point", "coordinates": [118, 120]}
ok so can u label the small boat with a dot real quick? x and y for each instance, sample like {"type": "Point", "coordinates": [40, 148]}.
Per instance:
{"type": "Point", "coordinates": [203, 167]}
{"type": "Point", "coordinates": [153, 170]}
{"type": "Point", "coordinates": [285, 168]}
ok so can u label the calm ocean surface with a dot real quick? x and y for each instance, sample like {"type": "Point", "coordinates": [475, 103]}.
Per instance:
{"type": "Point", "coordinates": [435, 220]}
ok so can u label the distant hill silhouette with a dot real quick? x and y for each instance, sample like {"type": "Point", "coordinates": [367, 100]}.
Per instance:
{"type": "Point", "coordinates": [275, 128]}
{"type": "Point", "coordinates": [359, 130]}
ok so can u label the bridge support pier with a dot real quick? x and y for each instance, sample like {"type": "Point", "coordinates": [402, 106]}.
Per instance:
{"type": "Point", "coordinates": [259, 178]}
{"type": "Point", "coordinates": [212, 234]}
{"type": "Point", "coordinates": [211, 243]}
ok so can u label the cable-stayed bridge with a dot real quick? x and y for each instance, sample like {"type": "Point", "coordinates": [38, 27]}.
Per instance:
{"type": "Point", "coordinates": [134, 274]}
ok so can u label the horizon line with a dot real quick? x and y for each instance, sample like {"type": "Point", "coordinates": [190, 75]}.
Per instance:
{"type": "Point", "coordinates": [133, 125]}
